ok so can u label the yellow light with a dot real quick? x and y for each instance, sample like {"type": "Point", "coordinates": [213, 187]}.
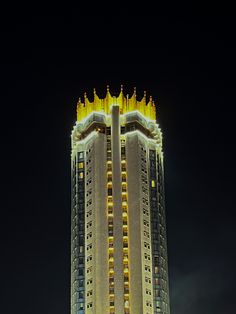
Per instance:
{"type": "Point", "coordinates": [103, 106]}
{"type": "Point", "coordinates": [153, 183]}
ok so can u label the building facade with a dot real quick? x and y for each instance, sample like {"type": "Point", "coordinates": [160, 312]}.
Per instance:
{"type": "Point", "coordinates": [118, 228]}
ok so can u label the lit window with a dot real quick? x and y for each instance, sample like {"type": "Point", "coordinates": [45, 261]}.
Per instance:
{"type": "Point", "coordinates": [81, 165]}
{"type": "Point", "coordinates": [81, 175]}
{"type": "Point", "coordinates": [153, 183]}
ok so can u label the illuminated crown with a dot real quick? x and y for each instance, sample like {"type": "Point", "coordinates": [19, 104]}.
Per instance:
{"type": "Point", "coordinates": [126, 104]}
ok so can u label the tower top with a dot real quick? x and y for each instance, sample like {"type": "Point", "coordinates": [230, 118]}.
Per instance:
{"type": "Point", "coordinates": [126, 104]}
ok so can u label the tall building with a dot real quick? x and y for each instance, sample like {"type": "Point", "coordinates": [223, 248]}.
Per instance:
{"type": "Point", "coordinates": [118, 227]}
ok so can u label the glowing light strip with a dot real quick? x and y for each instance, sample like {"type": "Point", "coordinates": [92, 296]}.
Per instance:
{"type": "Point", "coordinates": [110, 223]}
{"type": "Point", "coordinates": [139, 113]}
{"type": "Point", "coordinates": [144, 136]}
{"type": "Point", "coordinates": [87, 138]}
{"type": "Point", "coordinates": [125, 240]}
{"type": "Point", "coordinates": [84, 120]}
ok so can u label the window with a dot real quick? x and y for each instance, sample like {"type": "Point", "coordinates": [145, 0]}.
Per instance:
{"type": "Point", "coordinates": [89, 247]}
{"type": "Point", "coordinates": [89, 214]}
{"type": "Point", "coordinates": [89, 305]}
{"type": "Point", "coordinates": [146, 245]}
{"type": "Point", "coordinates": [89, 293]}
{"type": "Point", "coordinates": [148, 303]}
{"type": "Point", "coordinates": [146, 256]}
{"type": "Point", "coordinates": [89, 269]}
{"type": "Point", "coordinates": [147, 279]}
{"type": "Point", "coordinates": [89, 235]}
{"type": "Point", "coordinates": [81, 165]}
{"type": "Point", "coordinates": [89, 224]}
{"type": "Point", "coordinates": [89, 258]}
{"type": "Point", "coordinates": [153, 184]}
{"type": "Point", "coordinates": [148, 292]}
{"type": "Point", "coordinates": [89, 202]}
{"type": "Point", "coordinates": [81, 175]}
{"type": "Point", "coordinates": [147, 268]}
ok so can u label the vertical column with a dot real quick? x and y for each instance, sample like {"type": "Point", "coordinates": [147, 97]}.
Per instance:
{"type": "Point", "coordinates": [134, 223]}
{"type": "Point", "coordinates": [117, 202]}
{"type": "Point", "coordinates": [100, 237]}
{"type": "Point", "coordinates": [163, 238]}
{"type": "Point", "coordinates": [78, 241]}
{"type": "Point", "coordinates": [73, 232]}
{"type": "Point", "coordinates": [159, 249]}
{"type": "Point", "coordinates": [90, 230]}
{"type": "Point", "coordinates": [110, 215]}
{"type": "Point", "coordinates": [125, 213]}
{"type": "Point", "coordinates": [155, 225]}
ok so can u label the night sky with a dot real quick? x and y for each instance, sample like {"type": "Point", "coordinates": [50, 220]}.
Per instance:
{"type": "Point", "coordinates": [186, 64]}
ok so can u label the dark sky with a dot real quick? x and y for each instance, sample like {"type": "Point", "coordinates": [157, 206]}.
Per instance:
{"type": "Point", "coordinates": [186, 62]}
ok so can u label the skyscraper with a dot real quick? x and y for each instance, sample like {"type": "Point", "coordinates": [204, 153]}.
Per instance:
{"type": "Point", "coordinates": [118, 227]}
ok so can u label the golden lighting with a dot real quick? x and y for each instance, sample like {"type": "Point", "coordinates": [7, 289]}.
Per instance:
{"type": "Point", "coordinates": [126, 105]}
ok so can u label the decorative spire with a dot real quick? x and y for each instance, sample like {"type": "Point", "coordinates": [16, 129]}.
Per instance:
{"type": "Point", "coordinates": [97, 103]}
{"type": "Point", "coordinates": [120, 100]}
{"type": "Point", "coordinates": [121, 92]}
{"type": "Point", "coordinates": [108, 92]}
